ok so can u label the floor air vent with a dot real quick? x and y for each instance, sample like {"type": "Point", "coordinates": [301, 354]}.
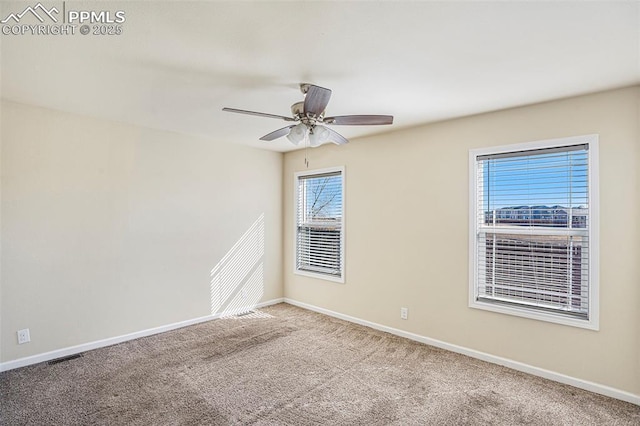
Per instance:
{"type": "Point", "coordinates": [245, 313]}
{"type": "Point", "coordinates": [64, 359]}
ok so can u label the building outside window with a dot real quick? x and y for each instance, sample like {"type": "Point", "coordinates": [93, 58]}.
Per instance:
{"type": "Point", "coordinates": [534, 221]}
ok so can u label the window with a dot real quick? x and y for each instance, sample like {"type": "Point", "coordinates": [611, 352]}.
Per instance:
{"type": "Point", "coordinates": [320, 224]}
{"type": "Point", "coordinates": [533, 222]}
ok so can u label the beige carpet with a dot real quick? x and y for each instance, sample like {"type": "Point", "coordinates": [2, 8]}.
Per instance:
{"type": "Point", "coordinates": [288, 366]}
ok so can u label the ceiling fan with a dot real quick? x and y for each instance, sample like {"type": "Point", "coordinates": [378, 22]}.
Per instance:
{"type": "Point", "coordinates": [309, 114]}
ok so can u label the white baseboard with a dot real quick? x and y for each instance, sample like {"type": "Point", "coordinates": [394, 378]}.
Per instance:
{"type": "Point", "coordinates": [525, 368]}
{"type": "Point", "coordinates": [72, 350]}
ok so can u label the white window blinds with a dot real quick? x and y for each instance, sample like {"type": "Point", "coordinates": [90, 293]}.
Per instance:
{"type": "Point", "coordinates": [319, 227]}
{"type": "Point", "coordinates": [532, 230]}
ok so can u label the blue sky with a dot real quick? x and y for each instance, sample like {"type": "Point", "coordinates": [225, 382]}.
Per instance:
{"type": "Point", "coordinates": [542, 179]}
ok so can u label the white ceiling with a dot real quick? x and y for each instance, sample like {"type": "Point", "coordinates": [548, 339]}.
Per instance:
{"type": "Point", "coordinates": [178, 63]}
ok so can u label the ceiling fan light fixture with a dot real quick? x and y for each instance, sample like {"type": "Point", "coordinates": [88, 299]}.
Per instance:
{"type": "Point", "coordinates": [297, 133]}
{"type": "Point", "coordinates": [318, 135]}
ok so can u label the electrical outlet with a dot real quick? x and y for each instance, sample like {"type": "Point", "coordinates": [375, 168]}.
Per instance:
{"type": "Point", "coordinates": [404, 313]}
{"type": "Point", "coordinates": [23, 336]}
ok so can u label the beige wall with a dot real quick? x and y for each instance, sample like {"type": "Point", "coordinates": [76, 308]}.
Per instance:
{"type": "Point", "coordinates": [109, 229]}
{"type": "Point", "coordinates": [407, 236]}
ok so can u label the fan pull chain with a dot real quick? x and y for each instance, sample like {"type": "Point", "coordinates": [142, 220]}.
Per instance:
{"type": "Point", "coordinates": [306, 150]}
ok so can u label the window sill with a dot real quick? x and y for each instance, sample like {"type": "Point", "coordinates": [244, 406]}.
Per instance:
{"type": "Point", "coordinates": [320, 276]}
{"type": "Point", "coordinates": [591, 324]}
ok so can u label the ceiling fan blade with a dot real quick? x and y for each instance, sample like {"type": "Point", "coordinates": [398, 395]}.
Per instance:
{"type": "Point", "coordinates": [259, 114]}
{"type": "Point", "coordinates": [362, 120]}
{"type": "Point", "coordinates": [316, 100]}
{"type": "Point", "coordinates": [336, 137]}
{"type": "Point", "coordinates": [277, 133]}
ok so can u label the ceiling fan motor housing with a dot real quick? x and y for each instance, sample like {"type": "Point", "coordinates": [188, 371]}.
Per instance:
{"type": "Point", "coordinates": [309, 119]}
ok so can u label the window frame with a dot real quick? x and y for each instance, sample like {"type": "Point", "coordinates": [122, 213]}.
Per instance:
{"type": "Point", "coordinates": [312, 274]}
{"type": "Point", "coordinates": [592, 322]}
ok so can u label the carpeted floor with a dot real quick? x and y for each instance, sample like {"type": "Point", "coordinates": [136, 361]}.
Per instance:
{"type": "Point", "coordinates": [284, 365]}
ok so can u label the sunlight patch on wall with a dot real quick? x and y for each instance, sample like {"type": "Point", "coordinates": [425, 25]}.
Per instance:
{"type": "Point", "coordinates": [237, 281]}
